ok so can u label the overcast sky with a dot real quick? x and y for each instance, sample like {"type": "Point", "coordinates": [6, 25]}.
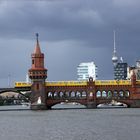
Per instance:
{"type": "Point", "coordinates": [70, 32]}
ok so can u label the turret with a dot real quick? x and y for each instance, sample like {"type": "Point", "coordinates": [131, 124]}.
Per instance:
{"type": "Point", "coordinates": [38, 74]}
{"type": "Point", "coordinates": [133, 79]}
{"type": "Point", "coordinates": [37, 70]}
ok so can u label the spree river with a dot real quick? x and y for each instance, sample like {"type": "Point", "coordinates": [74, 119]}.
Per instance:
{"type": "Point", "coordinates": [17, 123]}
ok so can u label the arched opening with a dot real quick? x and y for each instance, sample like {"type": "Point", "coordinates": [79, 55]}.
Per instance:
{"type": "Point", "coordinates": [104, 94]}
{"type": "Point", "coordinates": [121, 94]}
{"type": "Point", "coordinates": [115, 93]}
{"type": "Point", "coordinates": [67, 94]}
{"type": "Point", "coordinates": [91, 94]}
{"type": "Point", "coordinates": [127, 93]}
{"type": "Point", "coordinates": [98, 94]}
{"type": "Point", "coordinates": [61, 94]}
{"type": "Point", "coordinates": [55, 94]}
{"type": "Point", "coordinates": [109, 94]}
{"type": "Point", "coordinates": [72, 94]}
{"type": "Point", "coordinates": [50, 95]}
{"type": "Point", "coordinates": [84, 94]}
{"type": "Point", "coordinates": [78, 94]}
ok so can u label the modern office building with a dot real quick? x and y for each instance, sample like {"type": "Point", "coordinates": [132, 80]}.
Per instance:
{"type": "Point", "coordinates": [86, 70]}
{"type": "Point", "coordinates": [120, 71]}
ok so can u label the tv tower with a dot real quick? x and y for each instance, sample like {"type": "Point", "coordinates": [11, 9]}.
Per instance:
{"type": "Point", "coordinates": [114, 57]}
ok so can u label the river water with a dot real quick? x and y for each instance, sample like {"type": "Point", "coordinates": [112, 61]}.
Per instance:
{"type": "Point", "coordinates": [19, 123]}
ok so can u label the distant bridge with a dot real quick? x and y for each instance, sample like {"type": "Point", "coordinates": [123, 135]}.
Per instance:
{"type": "Point", "coordinates": [19, 91]}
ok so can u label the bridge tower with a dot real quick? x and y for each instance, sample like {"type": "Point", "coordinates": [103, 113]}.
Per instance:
{"type": "Point", "coordinates": [38, 74]}
{"type": "Point", "coordinates": [91, 96]}
{"type": "Point", "coordinates": [133, 79]}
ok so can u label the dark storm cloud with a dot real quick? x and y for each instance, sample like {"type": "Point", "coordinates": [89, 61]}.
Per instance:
{"type": "Point", "coordinates": [73, 31]}
{"type": "Point", "coordinates": [90, 20]}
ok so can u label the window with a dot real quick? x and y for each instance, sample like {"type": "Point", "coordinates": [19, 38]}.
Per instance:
{"type": "Point", "coordinates": [37, 86]}
{"type": "Point", "coordinates": [33, 61]}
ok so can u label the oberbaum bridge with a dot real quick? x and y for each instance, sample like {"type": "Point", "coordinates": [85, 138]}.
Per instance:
{"type": "Point", "coordinates": [45, 94]}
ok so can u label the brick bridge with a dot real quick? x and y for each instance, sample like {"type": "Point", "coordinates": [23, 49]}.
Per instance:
{"type": "Point", "coordinates": [89, 93]}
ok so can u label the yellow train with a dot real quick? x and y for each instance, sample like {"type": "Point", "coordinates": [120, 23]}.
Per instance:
{"type": "Point", "coordinates": [77, 83]}
{"type": "Point", "coordinates": [22, 84]}
{"type": "Point", "coordinates": [66, 83]}
{"type": "Point", "coordinates": [112, 82]}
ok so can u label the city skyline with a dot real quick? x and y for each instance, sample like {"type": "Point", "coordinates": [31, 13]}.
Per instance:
{"type": "Point", "coordinates": [70, 32]}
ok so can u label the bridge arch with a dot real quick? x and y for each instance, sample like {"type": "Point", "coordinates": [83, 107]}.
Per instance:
{"type": "Point", "coordinates": [57, 102]}
{"type": "Point", "coordinates": [15, 91]}
{"type": "Point", "coordinates": [108, 102]}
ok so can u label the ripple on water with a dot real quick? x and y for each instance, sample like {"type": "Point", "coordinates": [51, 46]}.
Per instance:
{"type": "Point", "coordinates": [70, 124]}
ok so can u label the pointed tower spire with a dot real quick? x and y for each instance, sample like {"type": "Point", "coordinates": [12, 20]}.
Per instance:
{"type": "Point", "coordinates": [37, 48]}
{"type": "Point", "coordinates": [114, 57]}
{"type": "Point", "coordinates": [37, 56]}
{"type": "Point", "coordinates": [37, 35]}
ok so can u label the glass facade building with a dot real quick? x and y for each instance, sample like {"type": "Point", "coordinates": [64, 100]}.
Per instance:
{"type": "Point", "coordinates": [120, 71]}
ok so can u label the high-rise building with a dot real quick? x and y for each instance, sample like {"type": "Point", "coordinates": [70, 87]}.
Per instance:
{"type": "Point", "coordinates": [86, 70]}
{"type": "Point", "coordinates": [120, 71]}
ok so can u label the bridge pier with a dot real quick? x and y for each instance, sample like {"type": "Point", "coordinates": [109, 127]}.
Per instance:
{"type": "Point", "coordinates": [135, 104]}
{"type": "Point", "coordinates": [38, 107]}
{"type": "Point", "coordinates": [91, 105]}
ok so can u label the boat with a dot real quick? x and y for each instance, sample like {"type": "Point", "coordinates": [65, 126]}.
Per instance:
{"type": "Point", "coordinates": [115, 103]}
{"type": "Point", "coordinates": [25, 104]}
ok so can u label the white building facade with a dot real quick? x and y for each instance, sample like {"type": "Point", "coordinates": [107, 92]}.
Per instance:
{"type": "Point", "coordinates": [86, 70]}
{"type": "Point", "coordinates": [136, 69]}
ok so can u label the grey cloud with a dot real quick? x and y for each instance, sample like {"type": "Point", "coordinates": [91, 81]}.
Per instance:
{"type": "Point", "coordinates": [71, 31]}
{"type": "Point", "coordinates": [60, 20]}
